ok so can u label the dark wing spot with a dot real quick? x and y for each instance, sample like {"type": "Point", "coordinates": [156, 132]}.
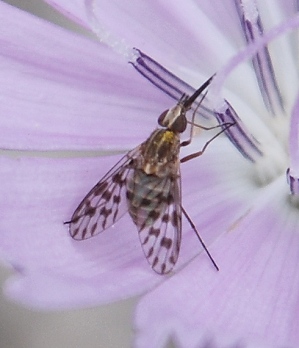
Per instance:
{"type": "Point", "coordinates": [145, 202]}
{"type": "Point", "coordinates": [156, 260]}
{"type": "Point", "coordinates": [154, 232]}
{"type": "Point", "coordinates": [107, 195]}
{"type": "Point", "coordinates": [105, 213]}
{"type": "Point", "coordinates": [150, 252]}
{"type": "Point", "coordinates": [90, 211]}
{"type": "Point", "coordinates": [165, 218]}
{"type": "Point", "coordinates": [153, 215]}
{"type": "Point", "coordinates": [145, 240]}
{"type": "Point", "coordinates": [74, 220]}
{"type": "Point", "coordinates": [170, 199]}
{"type": "Point", "coordinates": [75, 232]}
{"type": "Point", "coordinates": [129, 195]}
{"type": "Point", "coordinates": [93, 228]}
{"type": "Point", "coordinates": [171, 260]}
{"type": "Point", "coordinates": [166, 243]}
{"type": "Point", "coordinates": [163, 267]}
{"type": "Point", "coordinates": [100, 188]}
{"type": "Point", "coordinates": [160, 197]}
{"type": "Point", "coordinates": [116, 199]}
{"type": "Point", "coordinates": [174, 219]}
{"type": "Point", "coordinates": [84, 232]}
{"type": "Point", "coordinates": [117, 179]}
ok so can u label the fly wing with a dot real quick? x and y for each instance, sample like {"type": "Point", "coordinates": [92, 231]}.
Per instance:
{"type": "Point", "coordinates": [106, 202]}
{"type": "Point", "coordinates": [160, 231]}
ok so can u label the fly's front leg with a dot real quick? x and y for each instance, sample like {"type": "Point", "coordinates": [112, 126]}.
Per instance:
{"type": "Point", "coordinates": [199, 153]}
{"type": "Point", "coordinates": [187, 142]}
{"type": "Point", "coordinates": [193, 124]}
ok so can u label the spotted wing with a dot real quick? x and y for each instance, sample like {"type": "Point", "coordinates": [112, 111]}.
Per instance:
{"type": "Point", "coordinates": [160, 231]}
{"type": "Point", "coordinates": [105, 203]}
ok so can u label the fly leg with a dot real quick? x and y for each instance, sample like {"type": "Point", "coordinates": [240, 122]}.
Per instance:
{"type": "Point", "coordinates": [199, 237]}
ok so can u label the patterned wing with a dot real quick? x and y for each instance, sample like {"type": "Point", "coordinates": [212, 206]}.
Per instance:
{"type": "Point", "coordinates": [105, 203]}
{"type": "Point", "coordinates": [156, 210]}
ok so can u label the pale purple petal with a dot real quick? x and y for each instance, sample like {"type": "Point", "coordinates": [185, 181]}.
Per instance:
{"type": "Point", "coordinates": [253, 29]}
{"type": "Point", "coordinates": [293, 170]}
{"type": "Point", "coordinates": [188, 31]}
{"type": "Point", "coordinates": [163, 30]}
{"type": "Point", "coordinates": [247, 53]}
{"type": "Point", "coordinates": [221, 14]}
{"type": "Point", "coordinates": [289, 8]}
{"type": "Point", "coordinates": [294, 139]}
{"type": "Point", "coordinates": [253, 299]}
{"type": "Point", "coordinates": [62, 91]}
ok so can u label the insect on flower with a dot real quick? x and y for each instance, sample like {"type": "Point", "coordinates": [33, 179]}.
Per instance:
{"type": "Point", "coordinates": [146, 182]}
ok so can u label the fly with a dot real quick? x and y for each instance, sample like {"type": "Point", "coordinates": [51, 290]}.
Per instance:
{"type": "Point", "coordinates": [146, 183]}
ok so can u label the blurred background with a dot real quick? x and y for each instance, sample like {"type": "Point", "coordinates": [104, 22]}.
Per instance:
{"type": "Point", "coordinates": [108, 326]}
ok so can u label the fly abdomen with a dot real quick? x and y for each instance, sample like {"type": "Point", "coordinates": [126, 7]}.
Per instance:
{"type": "Point", "coordinates": [147, 197]}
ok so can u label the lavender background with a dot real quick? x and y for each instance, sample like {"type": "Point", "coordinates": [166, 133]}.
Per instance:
{"type": "Point", "coordinates": [104, 327]}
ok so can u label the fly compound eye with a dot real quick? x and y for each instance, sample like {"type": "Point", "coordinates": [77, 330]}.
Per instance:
{"type": "Point", "coordinates": [180, 123]}
{"type": "Point", "coordinates": [174, 119]}
{"type": "Point", "coordinates": [162, 119]}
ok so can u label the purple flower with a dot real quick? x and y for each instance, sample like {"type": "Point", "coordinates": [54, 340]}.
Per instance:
{"type": "Point", "coordinates": [68, 99]}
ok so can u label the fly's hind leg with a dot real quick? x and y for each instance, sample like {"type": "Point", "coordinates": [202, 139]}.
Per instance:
{"type": "Point", "coordinates": [199, 237]}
